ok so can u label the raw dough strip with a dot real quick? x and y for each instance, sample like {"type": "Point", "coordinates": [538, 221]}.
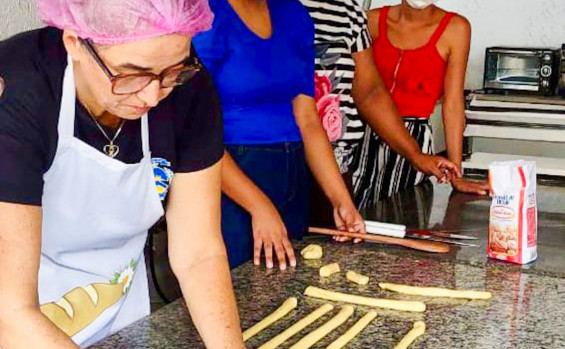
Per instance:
{"type": "Point", "coordinates": [353, 331]}
{"type": "Point", "coordinates": [418, 330]}
{"type": "Point", "coordinates": [316, 292]}
{"type": "Point", "coordinates": [313, 337]}
{"type": "Point", "coordinates": [275, 316]}
{"type": "Point", "coordinates": [357, 278]}
{"type": "Point", "coordinates": [297, 327]}
{"type": "Point", "coordinates": [329, 269]}
{"type": "Point", "coordinates": [435, 292]}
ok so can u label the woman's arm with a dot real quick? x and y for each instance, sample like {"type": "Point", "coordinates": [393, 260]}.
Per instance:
{"type": "Point", "coordinates": [22, 325]}
{"type": "Point", "coordinates": [321, 160]}
{"type": "Point", "coordinates": [198, 256]}
{"type": "Point", "coordinates": [269, 231]}
{"type": "Point", "coordinates": [377, 107]}
{"type": "Point", "coordinates": [459, 37]}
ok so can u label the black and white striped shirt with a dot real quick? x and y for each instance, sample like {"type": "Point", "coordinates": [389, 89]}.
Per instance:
{"type": "Point", "coordinates": [341, 30]}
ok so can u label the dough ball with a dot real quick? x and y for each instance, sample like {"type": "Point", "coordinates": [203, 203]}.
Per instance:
{"type": "Point", "coordinates": [312, 252]}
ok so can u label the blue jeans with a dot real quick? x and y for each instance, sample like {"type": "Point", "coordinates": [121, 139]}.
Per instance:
{"type": "Point", "coordinates": [280, 171]}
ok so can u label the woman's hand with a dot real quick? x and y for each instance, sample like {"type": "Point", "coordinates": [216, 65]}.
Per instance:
{"type": "Point", "coordinates": [270, 232]}
{"type": "Point", "coordinates": [444, 170]}
{"type": "Point", "coordinates": [347, 218]}
{"type": "Point", "coordinates": [470, 187]}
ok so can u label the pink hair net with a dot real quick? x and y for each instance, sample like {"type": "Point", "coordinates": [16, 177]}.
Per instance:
{"type": "Point", "coordinates": [108, 22]}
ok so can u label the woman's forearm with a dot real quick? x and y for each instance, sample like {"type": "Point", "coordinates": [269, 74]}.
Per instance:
{"type": "Point", "coordinates": [322, 164]}
{"type": "Point", "coordinates": [454, 126]}
{"type": "Point", "coordinates": [22, 325]}
{"type": "Point", "coordinates": [209, 296]}
{"type": "Point", "coordinates": [377, 107]}
{"type": "Point", "coordinates": [380, 113]}
{"type": "Point", "coordinates": [198, 256]}
{"type": "Point", "coordinates": [318, 150]}
{"type": "Point", "coordinates": [28, 328]}
{"type": "Point", "coordinates": [240, 188]}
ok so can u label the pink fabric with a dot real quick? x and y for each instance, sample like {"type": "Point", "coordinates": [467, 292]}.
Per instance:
{"type": "Point", "coordinates": [108, 22]}
{"type": "Point", "coordinates": [328, 108]}
{"type": "Point", "coordinates": [322, 85]}
{"type": "Point", "coordinates": [332, 120]}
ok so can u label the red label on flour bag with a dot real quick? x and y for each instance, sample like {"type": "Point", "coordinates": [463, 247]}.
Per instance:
{"type": "Point", "coordinates": [513, 212]}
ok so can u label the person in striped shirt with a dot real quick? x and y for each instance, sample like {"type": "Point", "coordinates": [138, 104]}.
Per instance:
{"type": "Point", "coordinates": [352, 99]}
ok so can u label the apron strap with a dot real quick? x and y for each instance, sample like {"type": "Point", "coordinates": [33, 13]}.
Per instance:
{"type": "Point", "coordinates": [145, 134]}
{"type": "Point", "coordinates": [66, 125]}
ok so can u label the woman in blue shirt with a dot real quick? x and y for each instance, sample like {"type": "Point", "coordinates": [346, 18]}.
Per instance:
{"type": "Point", "coordinates": [260, 54]}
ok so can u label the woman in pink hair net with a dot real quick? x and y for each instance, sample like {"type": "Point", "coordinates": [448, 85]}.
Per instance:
{"type": "Point", "coordinates": [105, 115]}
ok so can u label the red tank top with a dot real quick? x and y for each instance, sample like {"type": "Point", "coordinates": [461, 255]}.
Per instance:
{"type": "Point", "coordinates": [415, 78]}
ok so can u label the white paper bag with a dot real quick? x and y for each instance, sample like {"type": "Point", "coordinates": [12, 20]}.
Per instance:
{"type": "Point", "coordinates": [513, 212]}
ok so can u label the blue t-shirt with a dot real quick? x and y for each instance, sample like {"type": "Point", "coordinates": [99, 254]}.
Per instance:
{"type": "Point", "coordinates": [256, 78]}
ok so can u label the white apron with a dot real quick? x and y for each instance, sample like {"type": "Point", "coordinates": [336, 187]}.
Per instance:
{"type": "Point", "coordinates": [96, 213]}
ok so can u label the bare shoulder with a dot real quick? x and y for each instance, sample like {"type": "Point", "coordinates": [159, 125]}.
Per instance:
{"type": "Point", "coordinates": [459, 27]}
{"type": "Point", "coordinates": [373, 17]}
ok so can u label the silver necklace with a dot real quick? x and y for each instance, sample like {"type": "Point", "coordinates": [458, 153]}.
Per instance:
{"type": "Point", "coordinates": [111, 149]}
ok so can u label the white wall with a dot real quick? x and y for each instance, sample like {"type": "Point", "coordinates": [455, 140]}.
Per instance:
{"type": "Point", "coordinates": [495, 22]}
{"type": "Point", "coordinates": [521, 23]}
{"type": "Point", "coordinates": [507, 23]}
{"type": "Point", "coordinates": [17, 16]}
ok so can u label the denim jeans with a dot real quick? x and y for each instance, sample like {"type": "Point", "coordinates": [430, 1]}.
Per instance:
{"type": "Point", "coordinates": [280, 171]}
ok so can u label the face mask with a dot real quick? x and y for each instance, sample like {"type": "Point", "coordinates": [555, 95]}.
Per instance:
{"type": "Point", "coordinates": [421, 4]}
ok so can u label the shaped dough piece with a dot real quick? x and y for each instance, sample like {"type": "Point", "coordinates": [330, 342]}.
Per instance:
{"type": "Point", "coordinates": [275, 316]}
{"type": "Point", "coordinates": [435, 292]}
{"type": "Point", "coordinates": [312, 252]}
{"type": "Point", "coordinates": [329, 270]}
{"type": "Point", "coordinates": [353, 331]}
{"type": "Point", "coordinates": [357, 278]}
{"type": "Point", "coordinates": [316, 292]}
{"type": "Point", "coordinates": [313, 337]}
{"type": "Point", "coordinates": [418, 330]}
{"type": "Point", "coordinates": [297, 327]}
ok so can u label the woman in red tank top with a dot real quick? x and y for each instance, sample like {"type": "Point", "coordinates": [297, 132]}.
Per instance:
{"type": "Point", "coordinates": [421, 53]}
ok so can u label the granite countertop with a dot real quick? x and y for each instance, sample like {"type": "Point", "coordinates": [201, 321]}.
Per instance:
{"type": "Point", "coordinates": [525, 312]}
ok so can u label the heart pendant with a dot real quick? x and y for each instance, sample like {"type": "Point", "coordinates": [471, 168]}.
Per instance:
{"type": "Point", "coordinates": [111, 150]}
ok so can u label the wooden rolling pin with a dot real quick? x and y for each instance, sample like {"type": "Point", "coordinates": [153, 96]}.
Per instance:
{"type": "Point", "coordinates": [428, 246]}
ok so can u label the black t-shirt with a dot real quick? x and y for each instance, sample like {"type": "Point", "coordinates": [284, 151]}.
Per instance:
{"type": "Point", "coordinates": [185, 129]}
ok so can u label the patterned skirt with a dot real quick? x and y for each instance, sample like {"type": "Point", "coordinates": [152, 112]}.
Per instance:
{"type": "Point", "coordinates": [381, 172]}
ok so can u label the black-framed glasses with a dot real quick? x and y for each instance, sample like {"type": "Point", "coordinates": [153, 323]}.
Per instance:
{"type": "Point", "coordinates": [125, 84]}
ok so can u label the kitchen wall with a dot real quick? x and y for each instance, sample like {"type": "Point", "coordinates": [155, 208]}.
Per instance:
{"type": "Point", "coordinates": [17, 16]}
{"type": "Point", "coordinates": [495, 22]}
{"type": "Point", "coordinates": [504, 22]}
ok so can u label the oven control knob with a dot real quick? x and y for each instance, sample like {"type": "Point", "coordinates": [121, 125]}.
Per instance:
{"type": "Point", "coordinates": [545, 83]}
{"type": "Point", "coordinates": [547, 57]}
{"type": "Point", "coordinates": [545, 71]}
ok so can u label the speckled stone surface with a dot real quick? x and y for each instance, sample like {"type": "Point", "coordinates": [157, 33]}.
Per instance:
{"type": "Point", "coordinates": [526, 312]}
{"type": "Point", "coordinates": [436, 207]}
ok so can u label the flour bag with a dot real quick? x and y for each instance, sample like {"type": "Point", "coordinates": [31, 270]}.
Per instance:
{"type": "Point", "coordinates": [513, 212]}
